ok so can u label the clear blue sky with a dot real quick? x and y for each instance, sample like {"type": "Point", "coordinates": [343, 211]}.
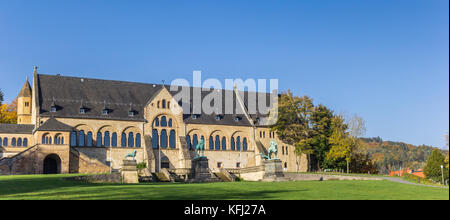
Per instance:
{"type": "Point", "coordinates": [387, 61]}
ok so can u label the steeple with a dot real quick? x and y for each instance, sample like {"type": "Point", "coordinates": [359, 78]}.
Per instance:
{"type": "Point", "coordinates": [26, 89]}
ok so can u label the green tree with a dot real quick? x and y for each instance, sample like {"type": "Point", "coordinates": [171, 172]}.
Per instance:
{"type": "Point", "coordinates": [432, 169]}
{"type": "Point", "coordinates": [342, 144]}
{"type": "Point", "coordinates": [293, 124]}
{"type": "Point", "coordinates": [1, 97]}
{"type": "Point", "coordinates": [321, 119]}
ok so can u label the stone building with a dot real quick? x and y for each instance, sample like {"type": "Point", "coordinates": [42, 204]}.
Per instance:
{"type": "Point", "coordinates": [82, 125]}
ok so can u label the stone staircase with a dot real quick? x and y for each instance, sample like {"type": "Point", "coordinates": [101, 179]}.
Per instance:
{"type": "Point", "coordinates": [224, 175]}
{"type": "Point", "coordinates": [21, 163]}
{"type": "Point", "coordinates": [150, 153]}
{"type": "Point", "coordinates": [163, 175]}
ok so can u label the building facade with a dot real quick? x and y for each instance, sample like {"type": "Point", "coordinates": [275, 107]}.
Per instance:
{"type": "Point", "coordinates": [82, 125]}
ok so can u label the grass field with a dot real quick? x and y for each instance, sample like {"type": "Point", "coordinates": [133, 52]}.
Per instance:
{"type": "Point", "coordinates": [54, 187]}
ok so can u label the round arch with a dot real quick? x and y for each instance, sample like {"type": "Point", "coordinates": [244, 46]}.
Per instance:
{"type": "Point", "coordinates": [52, 164]}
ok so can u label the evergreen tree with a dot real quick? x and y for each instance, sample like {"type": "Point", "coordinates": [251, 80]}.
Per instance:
{"type": "Point", "coordinates": [432, 169]}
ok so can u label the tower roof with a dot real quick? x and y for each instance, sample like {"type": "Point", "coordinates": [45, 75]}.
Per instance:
{"type": "Point", "coordinates": [26, 90]}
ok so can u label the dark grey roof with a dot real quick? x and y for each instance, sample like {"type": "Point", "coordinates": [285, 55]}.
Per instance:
{"type": "Point", "coordinates": [54, 125]}
{"type": "Point", "coordinates": [68, 94]}
{"type": "Point", "coordinates": [16, 128]}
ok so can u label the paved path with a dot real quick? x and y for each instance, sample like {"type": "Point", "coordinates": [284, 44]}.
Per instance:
{"type": "Point", "coordinates": [399, 180]}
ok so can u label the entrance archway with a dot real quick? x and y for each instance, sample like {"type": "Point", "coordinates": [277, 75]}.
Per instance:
{"type": "Point", "coordinates": [52, 164]}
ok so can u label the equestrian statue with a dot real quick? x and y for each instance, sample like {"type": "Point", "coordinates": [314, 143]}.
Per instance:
{"type": "Point", "coordinates": [200, 148]}
{"type": "Point", "coordinates": [272, 152]}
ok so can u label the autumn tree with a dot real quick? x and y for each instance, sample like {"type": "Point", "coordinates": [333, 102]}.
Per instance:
{"type": "Point", "coordinates": [8, 112]}
{"type": "Point", "coordinates": [342, 143]}
{"type": "Point", "coordinates": [293, 124]}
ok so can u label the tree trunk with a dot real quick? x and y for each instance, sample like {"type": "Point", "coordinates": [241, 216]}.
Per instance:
{"type": "Point", "coordinates": [348, 165]}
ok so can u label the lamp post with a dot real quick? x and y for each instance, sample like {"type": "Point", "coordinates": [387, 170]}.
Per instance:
{"type": "Point", "coordinates": [442, 171]}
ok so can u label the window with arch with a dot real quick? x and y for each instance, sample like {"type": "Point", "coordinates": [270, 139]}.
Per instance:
{"type": "Point", "coordinates": [194, 141]}
{"type": "Point", "coordinates": [58, 139]}
{"type": "Point", "coordinates": [114, 139]}
{"type": "Point", "coordinates": [13, 142]}
{"type": "Point", "coordinates": [170, 122]}
{"type": "Point", "coordinates": [163, 139]}
{"type": "Point", "coordinates": [244, 144]}
{"type": "Point", "coordinates": [46, 139]}
{"type": "Point", "coordinates": [25, 142]}
{"type": "Point", "coordinates": [217, 142]}
{"type": "Point", "coordinates": [232, 143]}
{"type": "Point", "coordinates": [238, 143]}
{"type": "Point", "coordinates": [19, 142]}
{"type": "Point", "coordinates": [73, 139]}
{"type": "Point", "coordinates": [163, 103]}
{"type": "Point", "coordinates": [106, 139]}
{"type": "Point", "coordinates": [1, 142]}
{"type": "Point", "coordinates": [155, 139]}
{"type": "Point", "coordinates": [188, 142]}
{"type": "Point", "coordinates": [130, 139]}
{"type": "Point", "coordinates": [211, 143]}
{"type": "Point", "coordinates": [138, 140]}
{"type": "Point", "coordinates": [89, 139]}
{"type": "Point", "coordinates": [81, 138]}
{"type": "Point", "coordinates": [163, 121]}
{"type": "Point", "coordinates": [156, 122]}
{"type": "Point", "coordinates": [224, 143]}
{"type": "Point", "coordinates": [123, 141]}
{"type": "Point", "coordinates": [172, 139]}
{"type": "Point", "coordinates": [99, 139]}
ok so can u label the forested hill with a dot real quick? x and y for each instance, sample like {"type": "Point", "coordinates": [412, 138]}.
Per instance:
{"type": "Point", "coordinates": [390, 155]}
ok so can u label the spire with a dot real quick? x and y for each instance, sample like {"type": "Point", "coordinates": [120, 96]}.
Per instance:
{"type": "Point", "coordinates": [26, 89]}
{"type": "Point", "coordinates": [35, 69]}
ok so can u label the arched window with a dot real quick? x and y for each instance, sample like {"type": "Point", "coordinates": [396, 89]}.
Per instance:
{"type": "Point", "coordinates": [217, 142]}
{"type": "Point", "coordinates": [138, 140]}
{"type": "Point", "coordinates": [114, 139]}
{"type": "Point", "coordinates": [62, 140]}
{"type": "Point", "coordinates": [123, 141]}
{"type": "Point", "coordinates": [232, 143]}
{"type": "Point", "coordinates": [1, 142]}
{"type": "Point", "coordinates": [188, 142]}
{"type": "Point", "coordinates": [73, 139]}
{"type": "Point", "coordinates": [5, 142]}
{"type": "Point", "coordinates": [194, 141]}
{"type": "Point", "coordinates": [224, 143]}
{"type": "Point", "coordinates": [99, 139]}
{"type": "Point", "coordinates": [130, 139]}
{"type": "Point", "coordinates": [106, 139]}
{"type": "Point", "coordinates": [163, 103]}
{"type": "Point", "coordinates": [13, 142]}
{"type": "Point", "coordinates": [163, 121]}
{"type": "Point", "coordinates": [81, 138]}
{"type": "Point", "coordinates": [50, 140]}
{"type": "Point", "coordinates": [156, 122]}
{"type": "Point", "coordinates": [19, 142]}
{"type": "Point", "coordinates": [172, 140]}
{"type": "Point", "coordinates": [238, 143]}
{"type": "Point", "coordinates": [211, 143]}
{"type": "Point", "coordinates": [89, 139]}
{"type": "Point", "coordinates": [170, 122]}
{"type": "Point", "coordinates": [158, 104]}
{"type": "Point", "coordinates": [43, 139]}
{"type": "Point", "coordinates": [155, 139]}
{"type": "Point", "coordinates": [244, 144]}
{"type": "Point", "coordinates": [25, 142]}
{"type": "Point", "coordinates": [164, 139]}
{"type": "Point", "coordinates": [282, 150]}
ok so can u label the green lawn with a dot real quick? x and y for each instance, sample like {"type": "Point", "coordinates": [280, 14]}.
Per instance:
{"type": "Point", "coordinates": [54, 187]}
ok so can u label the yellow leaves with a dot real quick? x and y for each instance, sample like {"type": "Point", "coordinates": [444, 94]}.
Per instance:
{"type": "Point", "coordinates": [8, 113]}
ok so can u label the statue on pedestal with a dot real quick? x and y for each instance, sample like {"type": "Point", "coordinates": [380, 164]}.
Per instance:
{"type": "Point", "coordinates": [200, 148]}
{"type": "Point", "coordinates": [272, 152]}
{"type": "Point", "coordinates": [132, 155]}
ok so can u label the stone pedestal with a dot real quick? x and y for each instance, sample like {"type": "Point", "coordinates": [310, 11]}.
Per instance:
{"type": "Point", "coordinates": [129, 172]}
{"type": "Point", "coordinates": [201, 170]}
{"type": "Point", "coordinates": [273, 170]}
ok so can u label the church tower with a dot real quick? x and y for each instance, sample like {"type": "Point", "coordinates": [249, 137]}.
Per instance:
{"type": "Point", "coordinates": [24, 104]}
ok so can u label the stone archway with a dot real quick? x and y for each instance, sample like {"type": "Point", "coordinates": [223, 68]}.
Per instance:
{"type": "Point", "coordinates": [52, 164]}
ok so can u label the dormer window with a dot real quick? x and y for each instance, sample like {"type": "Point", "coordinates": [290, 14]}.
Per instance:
{"type": "Point", "coordinates": [105, 112]}
{"type": "Point", "coordinates": [53, 109]}
{"type": "Point", "coordinates": [194, 116]}
{"type": "Point", "coordinates": [237, 118]}
{"type": "Point", "coordinates": [131, 113]}
{"type": "Point", "coordinates": [82, 110]}
{"type": "Point", "coordinates": [218, 117]}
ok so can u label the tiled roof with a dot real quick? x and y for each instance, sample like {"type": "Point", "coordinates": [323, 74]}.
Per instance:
{"type": "Point", "coordinates": [16, 128]}
{"type": "Point", "coordinates": [54, 125]}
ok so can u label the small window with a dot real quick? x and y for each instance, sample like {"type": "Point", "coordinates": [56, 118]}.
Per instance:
{"type": "Point", "coordinates": [131, 113]}
{"type": "Point", "coordinates": [238, 165]}
{"type": "Point", "coordinates": [236, 119]}
{"type": "Point", "coordinates": [53, 109]}
{"type": "Point", "coordinates": [105, 111]}
{"type": "Point", "coordinates": [27, 104]}
{"type": "Point", "coordinates": [218, 117]}
{"type": "Point", "coordinates": [82, 110]}
{"type": "Point", "coordinates": [219, 164]}
{"type": "Point", "coordinates": [194, 116]}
